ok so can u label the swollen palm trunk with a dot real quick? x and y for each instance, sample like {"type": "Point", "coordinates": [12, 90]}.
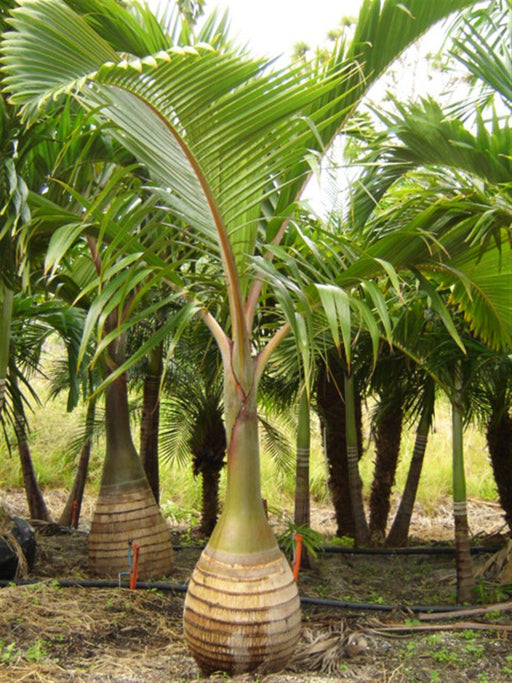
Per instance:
{"type": "Point", "coordinates": [242, 609]}
{"type": "Point", "coordinates": [124, 517]}
{"type": "Point", "coordinates": [126, 512]}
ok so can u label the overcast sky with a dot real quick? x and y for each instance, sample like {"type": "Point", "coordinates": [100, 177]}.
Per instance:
{"type": "Point", "coordinates": [273, 27]}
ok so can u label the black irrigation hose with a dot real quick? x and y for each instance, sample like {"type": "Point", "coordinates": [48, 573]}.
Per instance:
{"type": "Point", "coordinates": [347, 550]}
{"type": "Point", "coordinates": [182, 588]}
{"type": "Point", "coordinates": [418, 550]}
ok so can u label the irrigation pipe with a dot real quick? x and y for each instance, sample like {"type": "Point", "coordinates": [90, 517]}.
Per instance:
{"type": "Point", "coordinates": [305, 599]}
{"type": "Point", "coordinates": [414, 550]}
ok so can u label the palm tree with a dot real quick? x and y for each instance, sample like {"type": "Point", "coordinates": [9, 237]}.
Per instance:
{"type": "Point", "coordinates": [216, 147]}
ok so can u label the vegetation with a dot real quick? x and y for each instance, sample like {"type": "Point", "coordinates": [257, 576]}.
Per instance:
{"type": "Point", "coordinates": [168, 184]}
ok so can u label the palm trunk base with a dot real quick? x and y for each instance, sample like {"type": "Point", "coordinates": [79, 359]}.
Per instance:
{"type": "Point", "coordinates": [242, 612]}
{"type": "Point", "coordinates": [463, 562]}
{"type": "Point", "coordinates": [123, 515]}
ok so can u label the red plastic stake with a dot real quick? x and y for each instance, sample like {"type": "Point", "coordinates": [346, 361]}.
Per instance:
{"type": "Point", "coordinates": [297, 554]}
{"type": "Point", "coordinates": [135, 567]}
{"type": "Point", "coordinates": [74, 515]}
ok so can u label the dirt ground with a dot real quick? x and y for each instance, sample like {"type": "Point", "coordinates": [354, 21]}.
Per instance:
{"type": "Point", "coordinates": [50, 633]}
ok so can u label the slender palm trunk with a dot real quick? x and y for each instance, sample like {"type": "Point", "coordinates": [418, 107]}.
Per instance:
{"type": "Point", "coordinates": [36, 505]}
{"type": "Point", "coordinates": [71, 512]}
{"type": "Point", "coordinates": [302, 502]}
{"type": "Point", "coordinates": [242, 609]}
{"type": "Point", "coordinates": [6, 299]}
{"type": "Point", "coordinates": [499, 442]}
{"type": "Point", "coordinates": [387, 442]}
{"type": "Point", "coordinates": [362, 532]}
{"type": "Point", "coordinates": [150, 420]}
{"type": "Point", "coordinates": [464, 566]}
{"type": "Point", "coordinates": [329, 394]}
{"type": "Point", "coordinates": [399, 532]}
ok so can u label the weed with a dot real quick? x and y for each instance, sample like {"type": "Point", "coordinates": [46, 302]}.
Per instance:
{"type": "Point", "coordinates": [311, 540]}
{"type": "Point", "coordinates": [8, 652]}
{"type": "Point", "coordinates": [474, 649]}
{"type": "Point", "coordinates": [36, 652]}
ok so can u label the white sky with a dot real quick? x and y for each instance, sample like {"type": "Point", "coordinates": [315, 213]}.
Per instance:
{"type": "Point", "coordinates": [273, 27]}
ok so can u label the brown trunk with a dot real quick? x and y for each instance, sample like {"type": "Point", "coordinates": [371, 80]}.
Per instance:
{"type": "Point", "coordinates": [71, 512]}
{"type": "Point", "coordinates": [331, 408]}
{"type": "Point", "coordinates": [210, 508]}
{"type": "Point", "coordinates": [399, 532]}
{"type": "Point", "coordinates": [36, 505]}
{"type": "Point", "coordinates": [387, 446]}
{"type": "Point", "coordinates": [465, 577]}
{"type": "Point", "coordinates": [499, 441]}
{"type": "Point", "coordinates": [150, 421]}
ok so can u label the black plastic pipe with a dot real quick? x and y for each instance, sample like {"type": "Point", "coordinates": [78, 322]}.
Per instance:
{"type": "Point", "coordinates": [414, 550]}
{"type": "Point", "coordinates": [182, 588]}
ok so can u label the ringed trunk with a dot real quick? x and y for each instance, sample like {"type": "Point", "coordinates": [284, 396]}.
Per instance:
{"type": "Point", "coordinates": [126, 510]}
{"type": "Point", "coordinates": [464, 566]}
{"type": "Point", "coordinates": [242, 609]}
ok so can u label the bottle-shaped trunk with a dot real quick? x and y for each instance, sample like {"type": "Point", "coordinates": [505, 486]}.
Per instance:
{"type": "Point", "coordinates": [242, 609]}
{"type": "Point", "coordinates": [126, 510]}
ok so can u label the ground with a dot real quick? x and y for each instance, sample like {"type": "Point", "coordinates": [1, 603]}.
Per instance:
{"type": "Point", "coordinates": [56, 634]}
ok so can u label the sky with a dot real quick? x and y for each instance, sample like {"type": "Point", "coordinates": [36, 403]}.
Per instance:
{"type": "Point", "coordinates": [273, 27]}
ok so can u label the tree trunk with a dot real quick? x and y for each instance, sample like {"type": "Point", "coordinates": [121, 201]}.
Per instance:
{"type": "Point", "coordinates": [71, 512]}
{"type": "Point", "coordinates": [242, 609]}
{"type": "Point", "coordinates": [36, 505]}
{"type": "Point", "coordinates": [6, 299]}
{"type": "Point", "coordinates": [329, 395]}
{"type": "Point", "coordinates": [210, 501]}
{"type": "Point", "coordinates": [399, 532]}
{"type": "Point", "coordinates": [361, 531]}
{"type": "Point", "coordinates": [126, 510]}
{"type": "Point", "coordinates": [464, 566]}
{"type": "Point", "coordinates": [302, 501]}
{"type": "Point", "coordinates": [150, 420]}
{"type": "Point", "coordinates": [387, 446]}
{"type": "Point", "coordinates": [499, 442]}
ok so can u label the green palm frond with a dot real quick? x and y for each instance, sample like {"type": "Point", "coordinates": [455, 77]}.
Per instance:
{"type": "Point", "coordinates": [484, 47]}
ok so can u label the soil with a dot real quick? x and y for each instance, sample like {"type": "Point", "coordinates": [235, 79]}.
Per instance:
{"type": "Point", "coordinates": [50, 633]}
